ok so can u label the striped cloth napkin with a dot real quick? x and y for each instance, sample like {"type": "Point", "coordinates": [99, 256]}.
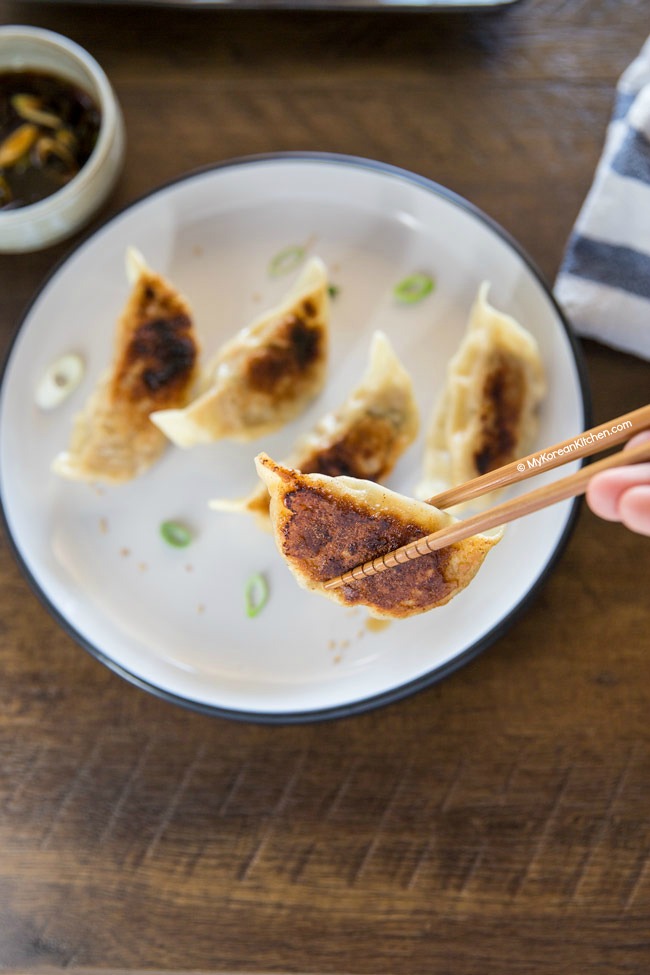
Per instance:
{"type": "Point", "coordinates": [604, 280]}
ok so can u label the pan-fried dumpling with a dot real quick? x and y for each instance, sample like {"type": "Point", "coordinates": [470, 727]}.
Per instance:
{"type": "Point", "coordinates": [324, 526]}
{"type": "Point", "coordinates": [154, 366]}
{"type": "Point", "coordinates": [265, 375]}
{"type": "Point", "coordinates": [487, 413]}
{"type": "Point", "coordinates": [364, 438]}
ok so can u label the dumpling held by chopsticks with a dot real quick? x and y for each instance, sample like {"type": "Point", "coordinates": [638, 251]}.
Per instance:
{"type": "Point", "coordinates": [324, 526]}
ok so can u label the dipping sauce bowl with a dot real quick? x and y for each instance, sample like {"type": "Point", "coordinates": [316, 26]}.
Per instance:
{"type": "Point", "coordinates": [61, 138]}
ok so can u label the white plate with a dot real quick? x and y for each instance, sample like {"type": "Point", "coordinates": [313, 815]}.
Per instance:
{"type": "Point", "coordinates": [173, 620]}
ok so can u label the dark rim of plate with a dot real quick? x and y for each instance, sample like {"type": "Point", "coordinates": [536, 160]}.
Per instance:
{"type": "Point", "coordinates": [437, 674]}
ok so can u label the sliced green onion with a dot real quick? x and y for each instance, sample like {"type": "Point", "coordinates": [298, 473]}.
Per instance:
{"type": "Point", "coordinates": [333, 290]}
{"type": "Point", "coordinates": [176, 534]}
{"type": "Point", "coordinates": [413, 288]}
{"type": "Point", "coordinates": [59, 380]}
{"type": "Point", "coordinates": [286, 260]}
{"type": "Point", "coordinates": [256, 594]}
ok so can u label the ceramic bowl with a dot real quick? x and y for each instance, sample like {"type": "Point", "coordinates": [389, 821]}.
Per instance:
{"type": "Point", "coordinates": [58, 216]}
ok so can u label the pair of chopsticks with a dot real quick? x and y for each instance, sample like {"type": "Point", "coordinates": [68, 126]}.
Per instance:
{"type": "Point", "coordinates": [590, 442]}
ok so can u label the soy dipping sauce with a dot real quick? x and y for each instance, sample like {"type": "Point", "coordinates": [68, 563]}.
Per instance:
{"type": "Point", "coordinates": [48, 130]}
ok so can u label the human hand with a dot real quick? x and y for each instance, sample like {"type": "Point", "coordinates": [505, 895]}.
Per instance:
{"type": "Point", "coordinates": [623, 494]}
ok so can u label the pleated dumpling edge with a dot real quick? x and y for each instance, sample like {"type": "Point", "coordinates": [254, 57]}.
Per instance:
{"type": "Point", "coordinates": [487, 412]}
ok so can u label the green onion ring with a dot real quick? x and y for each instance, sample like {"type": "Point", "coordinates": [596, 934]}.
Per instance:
{"type": "Point", "coordinates": [256, 594]}
{"type": "Point", "coordinates": [413, 288]}
{"type": "Point", "coordinates": [286, 260]}
{"type": "Point", "coordinates": [176, 534]}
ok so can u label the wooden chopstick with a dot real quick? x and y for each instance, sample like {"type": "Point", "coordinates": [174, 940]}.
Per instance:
{"type": "Point", "coordinates": [568, 487]}
{"type": "Point", "coordinates": [590, 442]}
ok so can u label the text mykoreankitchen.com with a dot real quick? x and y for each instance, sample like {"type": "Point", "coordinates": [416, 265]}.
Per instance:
{"type": "Point", "coordinates": [588, 438]}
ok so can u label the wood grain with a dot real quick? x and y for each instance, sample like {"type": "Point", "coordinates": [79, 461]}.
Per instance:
{"type": "Point", "coordinates": [496, 822]}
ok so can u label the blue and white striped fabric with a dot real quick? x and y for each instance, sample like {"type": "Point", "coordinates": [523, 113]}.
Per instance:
{"type": "Point", "coordinates": [604, 281]}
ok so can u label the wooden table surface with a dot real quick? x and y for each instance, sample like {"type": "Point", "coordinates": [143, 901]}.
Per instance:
{"type": "Point", "coordinates": [495, 823]}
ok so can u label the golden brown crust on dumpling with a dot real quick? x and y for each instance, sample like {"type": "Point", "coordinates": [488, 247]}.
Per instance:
{"type": "Point", "coordinates": [365, 450]}
{"type": "Point", "coordinates": [156, 351]}
{"type": "Point", "coordinates": [364, 437]}
{"type": "Point", "coordinates": [265, 375]}
{"type": "Point", "coordinates": [325, 526]}
{"type": "Point", "coordinates": [502, 403]}
{"type": "Point", "coordinates": [296, 347]}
